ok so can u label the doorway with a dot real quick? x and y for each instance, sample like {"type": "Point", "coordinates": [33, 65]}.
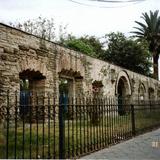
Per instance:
{"type": "Point", "coordinates": [66, 93]}
{"type": "Point", "coordinates": [121, 96]}
{"type": "Point", "coordinates": [31, 84]}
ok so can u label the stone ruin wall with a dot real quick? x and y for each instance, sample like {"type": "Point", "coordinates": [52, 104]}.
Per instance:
{"type": "Point", "coordinates": [20, 51]}
{"type": "Point", "coordinates": [109, 74]}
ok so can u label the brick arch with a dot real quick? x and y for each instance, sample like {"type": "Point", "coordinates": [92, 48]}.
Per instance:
{"type": "Point", "coordinates": [123, 75]}
{"type": "Point", "coordinates": [31, 74]}
{"type": "Point", "coordinates": [32, 64]}
{"type": "Point", "coordinates": [70, 73]}
{"type": "Point", "coordinates": [70, 62]}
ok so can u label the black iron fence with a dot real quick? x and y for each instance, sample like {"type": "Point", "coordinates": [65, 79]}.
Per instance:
{"type": "Point", "coordinates": [48, 127]}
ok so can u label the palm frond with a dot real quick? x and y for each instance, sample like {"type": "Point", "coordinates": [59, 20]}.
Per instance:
{"type": "Point", "coordinates": [140, 29]}
{"type": "Point", "coordinates": [138, 34]}
{"type": "Point", "coordinates": [141, 24]}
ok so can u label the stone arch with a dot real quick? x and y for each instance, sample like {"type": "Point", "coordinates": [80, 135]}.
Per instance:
{"type": "Point", "coordinates": [70, 73]}
{"type": "Point", "coordinates": [123, 79]}
{"type": "Point", "coordinates": [123, 91]}
{"type": "Point", "coordinates": [32, 64]}
{"type": "Point", "coordinates": [141, 92]}
{"type": "Point", "coordinates": [32, 84]}
{"type": "Point", "coordinates": [97, 88]}
{"type": "Point", "coordinates": [35, 80]}
{"type": "Point", "coordinates": [36, 65]}
{"type": "Point", "coordinates": [70, 62]}
{"type": "Point", "coordinates": [71, 82]}
{"type": "Point", "coordinates": [70, 85]}
{"type": "Point", "coordinates": [31, 74]}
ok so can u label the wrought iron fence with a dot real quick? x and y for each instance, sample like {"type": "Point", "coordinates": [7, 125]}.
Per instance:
{"type": "Point", "coordinates": [49, 127]}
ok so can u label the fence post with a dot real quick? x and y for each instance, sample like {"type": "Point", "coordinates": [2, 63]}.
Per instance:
{"type": "Point", "coordinates": [7, 129]}
{"type": "Point", "coordinates": [133, 120]}
{"type": "Point", "coordinates": [62, 127]}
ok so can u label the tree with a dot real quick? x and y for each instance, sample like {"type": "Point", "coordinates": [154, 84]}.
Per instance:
{"type": "Point", "coordinates": [89, 45]}
{"type": "Point", "coordinates": [150, 30]}
{"type": "Point", "coordinates": [128, 53]}
{"type": "Point", "coordinates": [42, 27]}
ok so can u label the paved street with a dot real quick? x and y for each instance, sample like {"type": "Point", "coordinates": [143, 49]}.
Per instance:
{"type": "Point", "coordinates": [143, 147]}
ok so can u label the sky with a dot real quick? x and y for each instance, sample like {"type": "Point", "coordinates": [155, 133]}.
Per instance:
{"type": "Point", "coordinates": [81, 20]}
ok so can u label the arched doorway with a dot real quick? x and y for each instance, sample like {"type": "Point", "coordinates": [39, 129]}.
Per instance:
{"type": "Point", "coordinates": [121, 96]}
{"type": "Point", "coordinates": [70, 82]}
{"type": "Point", "coordinates": [31, 83]}
{"type": "Point", "coordinates": [70, 86]}
{"type": "Point", "coordinates": [123, 79]}
{"type": "Point", "coordinates": [123, 91]}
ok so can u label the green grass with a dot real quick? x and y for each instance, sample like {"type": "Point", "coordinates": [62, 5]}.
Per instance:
{"type": "Point", "coordinates": [80, 137]}
{"type": "Point", "coordinates": [147, 118]}
{"type": "Point", "coordinates": [26, 136]}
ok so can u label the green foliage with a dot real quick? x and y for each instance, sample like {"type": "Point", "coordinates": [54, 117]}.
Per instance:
{"type": "Point", "coordinates": [128, 53]}
{"type": "Point", "coordinates": [150, 31]}
{"type": "Point", "coordinates": [79, 45]}
{"type": "Point", "coordinates": [122, 51]}
{"type": "Point", "coordinates": [89, 45]}
{"type": "Point", "coordinates": [97, 46]}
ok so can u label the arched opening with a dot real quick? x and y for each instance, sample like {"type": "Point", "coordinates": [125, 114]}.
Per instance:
{"type": "Point", "coordinates": [121, 95]}
{"type": "Point", "coordinates": [70, 85]}
{"type": "Point", "coordinates": [97, 91]}
{"type": "Point", "coordinates": [66, 86]}
{"type": "Point", "coordinates": [97, 88]}
{"type": "Point", "coordinates": [123, 91]}
{"type": "Point", "coordinates": [141, 92]}
{"type": "Point", "coordinates": [70, 82]}
{"type": "Point", "coordinates": [123, 77]}
{"type": "Point", "coordinates": [31, 82]}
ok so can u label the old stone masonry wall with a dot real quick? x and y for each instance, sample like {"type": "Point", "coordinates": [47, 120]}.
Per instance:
{"type": "Point", "coordinates": [43, 66]}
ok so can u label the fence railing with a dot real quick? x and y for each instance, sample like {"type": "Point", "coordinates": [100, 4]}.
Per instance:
{"type": "Point", "coordinates": [47, 127]}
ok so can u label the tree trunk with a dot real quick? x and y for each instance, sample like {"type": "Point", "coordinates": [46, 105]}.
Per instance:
{"type": "Point", "coordinates": [155, 66]}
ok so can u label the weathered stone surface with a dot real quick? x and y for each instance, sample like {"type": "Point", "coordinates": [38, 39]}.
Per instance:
{"type": "Point", "coordinates": [3, 57]}
{"type": "Point", "coordinates": [1, 50]}
{"type": "Point", "coordinates": [23, 47]}
{"type": "Point", "coordinates": [23, 53]}
{"type": "Point", "coordinates": [8, 50]}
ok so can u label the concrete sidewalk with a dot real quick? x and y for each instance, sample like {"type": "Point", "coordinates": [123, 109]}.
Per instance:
{"type": "Point", "coordinates": [143, 147]}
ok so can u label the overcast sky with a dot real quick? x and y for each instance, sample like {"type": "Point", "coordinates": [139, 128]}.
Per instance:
{"type": "Point", "coordinates": [80, 19]}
